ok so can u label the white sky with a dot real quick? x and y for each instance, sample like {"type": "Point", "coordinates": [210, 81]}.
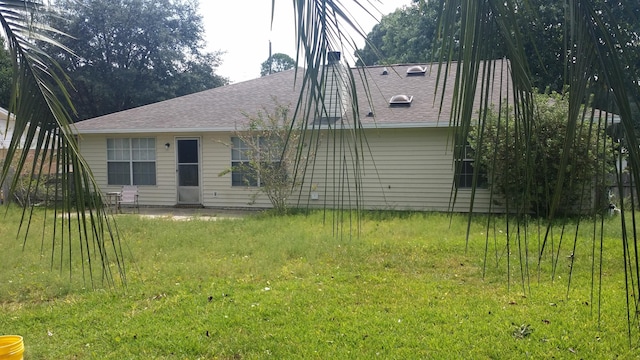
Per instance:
{"type": "Point", "coordinates": [242, 29]}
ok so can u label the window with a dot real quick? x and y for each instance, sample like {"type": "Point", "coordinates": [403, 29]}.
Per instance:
{"type": "Point", "coordinates": [465, 168]}
{"type": "Point", "coordinates": [131, 161]}
{"type": "Point", "coordinates": [243, 172]}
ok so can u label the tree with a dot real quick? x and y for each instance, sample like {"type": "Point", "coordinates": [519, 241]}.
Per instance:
{"type": "Point", "coordinates": [129, 53]}
{"type": "Point", "coordinates": [408, 36]}
{"type": "Point", "coordinates": [6, 75]}
{"type": "Point", "coordinates": [276, 63]}
{"type": "Point", "coordinates": [42, 110]}
{"type": "Point", "coordinates": [267, 148]}
{"type": "Point", "coordinates": [500, 154]}
{"type": "Point", "coordinates": [404, 36]}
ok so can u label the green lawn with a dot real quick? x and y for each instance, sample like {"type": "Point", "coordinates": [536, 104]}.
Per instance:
{"type": "Point", "coordinates": [300, 287]}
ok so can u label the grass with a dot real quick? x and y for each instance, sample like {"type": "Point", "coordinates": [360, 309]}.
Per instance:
{"type": "Point", "coordinates": [293, 287]}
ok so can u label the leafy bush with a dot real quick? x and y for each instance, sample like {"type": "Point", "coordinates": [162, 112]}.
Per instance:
{"type": "Point", "coordinates": [529, 183]}
{"type": "Point", "coordinates": [270, 147]}
{"type": "Point", "coordinates": [30, 191]}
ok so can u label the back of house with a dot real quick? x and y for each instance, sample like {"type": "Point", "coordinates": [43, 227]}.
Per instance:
{"type": "Point", "coordinates": [390, 149]}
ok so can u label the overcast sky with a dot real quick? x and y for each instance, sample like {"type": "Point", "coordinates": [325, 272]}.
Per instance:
{"type": "Point", "coordinates": [242, 29]}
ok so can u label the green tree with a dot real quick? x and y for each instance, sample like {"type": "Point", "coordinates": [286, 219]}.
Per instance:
{"type": "Point", "coordinates": [276, 63]}
{"type": "Point", "coordinates": [546, 35]}
{"type": "Point", "coordinates": [404, 36]}
{"type": "Point", "coordinates": [269, 147]}
{"type": "Point", "coordinates": [129, 53]}
{"type": "Point", "coordinates": [501, 153]}
{"type": "Point", "coordinates": [6, 76]}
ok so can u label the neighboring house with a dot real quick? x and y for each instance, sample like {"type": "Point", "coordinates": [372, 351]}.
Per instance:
{"type": "Point", "coordinates": [175, 150]}
{"type": "Point", "coordinates": [6, 132]}
{"type": "Point", "coordinates": [7, 126]}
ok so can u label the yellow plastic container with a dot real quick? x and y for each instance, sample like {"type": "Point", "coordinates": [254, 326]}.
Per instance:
{"type": "Point", "coordinates": [11, 347]}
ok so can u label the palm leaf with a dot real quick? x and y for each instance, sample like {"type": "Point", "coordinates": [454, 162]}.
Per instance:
{"type": "Point", "coordinates": [595, 64]}
{"type": "Point", "coordinates": [471, 33]}
{"type": "Point", "coordinates": [43, 120]}
{"type": "Point", "coordinates": [321, 27]}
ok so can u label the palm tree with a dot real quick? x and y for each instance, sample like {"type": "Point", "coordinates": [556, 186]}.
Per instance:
{"type": "Point", "coordinates": [597, 62]}
{"type": "Point", "coordinates": [41, 109]}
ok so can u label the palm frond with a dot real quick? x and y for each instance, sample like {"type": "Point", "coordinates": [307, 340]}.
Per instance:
{"type": "Point", "coordinates": [43, 123]}
{"type": "Point", "coordinates": [595, 67]}
{"type": "Point", "coordinates": [323, 27]}
{"type": "Point", "coordinates": [473, 34]}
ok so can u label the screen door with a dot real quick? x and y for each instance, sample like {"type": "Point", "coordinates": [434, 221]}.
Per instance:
{"type": "Point", "coordinates": [188, 170]}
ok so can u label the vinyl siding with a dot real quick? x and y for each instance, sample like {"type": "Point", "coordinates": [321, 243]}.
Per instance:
{"type": "Point", "coordinates": [217, 190]}
{"type": "Point", "coordinates": [94, 149]}
{"type": "Point", "coordinates": [402, 169]}
{"type": "Point", "coordinates": [406, 169]}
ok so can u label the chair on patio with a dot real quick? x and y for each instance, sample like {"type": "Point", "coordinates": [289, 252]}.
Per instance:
{"type": "Point", "coordinates": [128, 196]}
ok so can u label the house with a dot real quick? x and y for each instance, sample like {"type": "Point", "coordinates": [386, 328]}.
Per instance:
{"type": "Point", "coordinates": [7, 126]}
{"type": "Point", "coordinates": [6, 132]}
{"type": "Point", "coordinates": [174, 150]}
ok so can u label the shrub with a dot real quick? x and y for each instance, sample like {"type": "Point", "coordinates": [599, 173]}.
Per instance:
{"type": "Point", "coordinates": [268, 147]}
{"type": "Point", "coordinates": [528, 182]}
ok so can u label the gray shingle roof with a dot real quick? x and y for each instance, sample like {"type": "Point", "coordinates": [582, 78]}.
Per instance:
{"type": "Point", "coordinates": [223, 108]}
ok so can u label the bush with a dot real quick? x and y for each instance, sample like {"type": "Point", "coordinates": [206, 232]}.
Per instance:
{"type": "Point", "coordinates": [523, 161]}
{"type": "Point", "coordinates": [29, 191]}
{"type": "Point", "coordinates": [270, 145]}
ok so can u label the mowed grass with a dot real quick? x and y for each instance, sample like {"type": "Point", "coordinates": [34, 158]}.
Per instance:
{"type": "Point", "coordinates": [301, 287]}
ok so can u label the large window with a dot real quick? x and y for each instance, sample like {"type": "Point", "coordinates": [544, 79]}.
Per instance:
{"type": "Point", "coordinates": [464, 170]}
{"type": "Point", "coordinates": [131, 161]}
{"type": "Point", "coordinates": [244, 155]}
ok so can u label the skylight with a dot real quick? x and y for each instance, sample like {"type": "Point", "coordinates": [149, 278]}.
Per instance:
{"type": "Point", "coordinates": [400, 100]}
{"type": "Point", "coordinates": [416, 70]}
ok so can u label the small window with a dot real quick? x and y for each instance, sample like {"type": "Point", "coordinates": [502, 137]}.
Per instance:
{"type": "Point", "coordinates": [243, 172]}
{"type": "Point", "coordinates": [465, 167]}
{"type": "Point", "coordinates": [416, 70]}
{"type": "Point", "coordinates": [400, 100]}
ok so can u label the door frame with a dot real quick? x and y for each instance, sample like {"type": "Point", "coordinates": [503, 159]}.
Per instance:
{"type": "Point", "coordinates": [177, 140]}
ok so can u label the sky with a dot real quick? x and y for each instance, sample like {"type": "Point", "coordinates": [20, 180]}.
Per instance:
{"type": "Point", "coordinates": [242, 29]}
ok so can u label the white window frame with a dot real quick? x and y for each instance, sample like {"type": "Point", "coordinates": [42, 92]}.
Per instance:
{"type": "Point", "coordinates": [239, 156]}
{"type": "Point", "coordinates": [132, 152]}
{"type": "Point", "coordinates": [464, 177]}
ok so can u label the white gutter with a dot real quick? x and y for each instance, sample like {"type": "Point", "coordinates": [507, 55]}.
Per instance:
{"type": "Point", "coordinates": [416, 125]}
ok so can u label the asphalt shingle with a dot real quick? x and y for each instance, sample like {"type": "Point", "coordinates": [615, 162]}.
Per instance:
{"type": "Point", "coordinates": [224, 108]}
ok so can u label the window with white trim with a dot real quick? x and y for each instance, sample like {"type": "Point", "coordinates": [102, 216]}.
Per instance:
{"type": "Point", "coordinates": [464, 170]}
{"type": "Point", "coordinates": [131, 161]}
{"type": "Point", "coordinates": [243, 173]}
